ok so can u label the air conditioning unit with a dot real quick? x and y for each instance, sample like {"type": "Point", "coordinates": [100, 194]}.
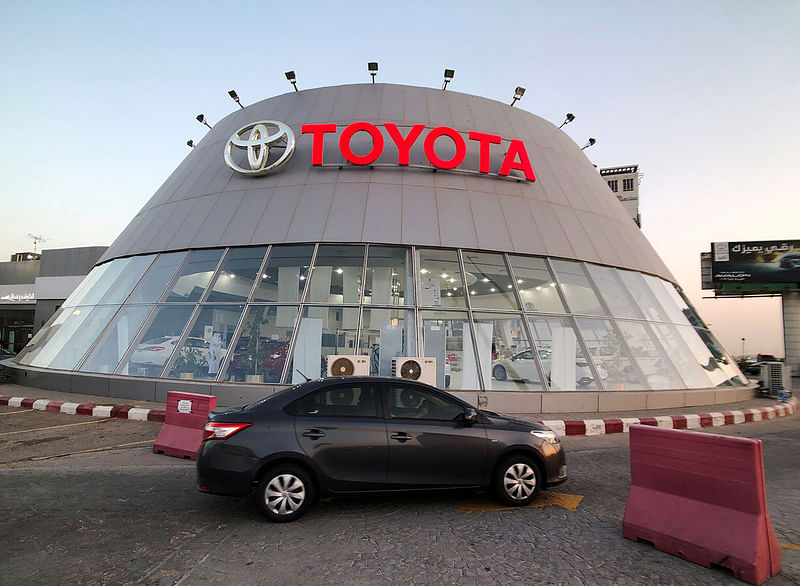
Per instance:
{"type": "Point", "coordinates": [771, 378]}
{"type": "Point", "coordinates": [415, 368]}
{"type": "Point", "coordinates": [338, 365]}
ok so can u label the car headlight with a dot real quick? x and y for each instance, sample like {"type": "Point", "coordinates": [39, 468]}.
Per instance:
{"type": "Point", "coordinates": [547, 435]}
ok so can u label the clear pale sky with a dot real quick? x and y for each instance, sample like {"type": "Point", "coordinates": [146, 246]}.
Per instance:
{"type": "Point", "coordinates": [99, 98]}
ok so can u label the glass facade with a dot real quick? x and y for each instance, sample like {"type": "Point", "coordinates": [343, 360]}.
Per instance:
{"type": "Point", "coordinates": [491, 321]}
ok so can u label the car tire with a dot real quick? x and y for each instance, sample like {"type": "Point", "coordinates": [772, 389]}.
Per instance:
{"type": "Point", "coordinates": [517, 481]}
{"type": "Point", "coordinates": [499, 373]}
{"type": "Point", "coordinates": [285, 493]}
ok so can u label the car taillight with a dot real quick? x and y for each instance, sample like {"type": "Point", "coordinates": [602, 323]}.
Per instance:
{"type": "Point", "coordinates": [581, 364]}
{"type": "Point", "coordinates": [215, 430]}
{"type": "Point", "coordinates": [154, 348]}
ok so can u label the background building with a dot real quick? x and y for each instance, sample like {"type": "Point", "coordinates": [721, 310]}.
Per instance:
{"type": "Point", "coordinates": [398, 223]}
{"type": "Point", "coordinates": [624, 182]}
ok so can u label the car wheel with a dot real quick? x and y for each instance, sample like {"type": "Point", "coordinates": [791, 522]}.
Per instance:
{"type": "Point", "coordinates": [518, 481]}
{"type": "Point", "coordinates": [285, 493]}
{"type": "Point", "coordinates": [499, 373]}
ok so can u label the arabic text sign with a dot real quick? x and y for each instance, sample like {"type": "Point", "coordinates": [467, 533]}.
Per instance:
{"type": "Point", "coordinates": [763, 261]}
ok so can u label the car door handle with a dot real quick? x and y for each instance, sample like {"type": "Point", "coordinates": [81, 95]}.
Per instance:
{"type": "Point", "coordinates": [401, 437]}
{"type": "Point", "coordinates": [314, 433]}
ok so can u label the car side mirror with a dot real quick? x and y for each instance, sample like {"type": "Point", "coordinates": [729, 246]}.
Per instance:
{"type": "Point", "coordinates": [470, 416]}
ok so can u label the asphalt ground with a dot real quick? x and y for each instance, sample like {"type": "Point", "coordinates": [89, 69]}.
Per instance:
{"type": "Point", "coordinates": [86, 501]}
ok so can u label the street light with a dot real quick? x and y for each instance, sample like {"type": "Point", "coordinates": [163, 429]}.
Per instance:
{"type": "Point", "coordinates": [235, 97]}
{"type": "Point", "coordinates": [518, 93]}
{"type": "Point", "coordinates": [570, 117]}
{"type": "Point", "coordinates": [201, 118]}
{"type": "Point", "coordinates": [448, 77]}
{"type": "Point", "coordinates": [292, 79]}
{"type": "Point", "coordinates": [589, 143]}
{"type": "Point", "coordinates": [372, 67]}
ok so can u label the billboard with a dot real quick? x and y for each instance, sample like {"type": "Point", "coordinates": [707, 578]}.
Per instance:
{"type": "Point", "coordinates": [762, 261]}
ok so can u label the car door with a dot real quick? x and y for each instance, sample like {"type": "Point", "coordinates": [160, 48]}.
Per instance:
{"type": "Point", "coordinates": [341, 429]}
{"type": "Point", "coordinates": [430, 445]}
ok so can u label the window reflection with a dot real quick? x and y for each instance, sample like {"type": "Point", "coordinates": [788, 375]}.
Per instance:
{"type": "Point", "coordinates": [491, 286]}
{"type": "Point", "coordinates": [323, 332]}
{"type": "Point", "coordinates": [642, 295]}
{"type": "Point", "coordinates": [194, 276]}
{"type": "Point", "coordinates": [127, 279]}
{"type": "Point", "coordinates": [389, 277]}
{"type": "Point", "coordinates": [62, 330]}
{"type": "Point", "coordinates": [510, 364]}
{"type": "Point", "coordinates": [650, 356]}
{"type": "Point", "coordinates": [154, 347]}
{"type": "Point", "coordinates": [240, 270]}
{"type": "Point", "coordinates": [152, 286]}
{"type": "Point", "coordinates": [85, 286]}
{"type": "Point", "coordinates": [614, 293]}
{"type": "Point", "coordinates": [537, 288]}
{"type": "Point", "coordinates": [116, 341]}
{"type": "Point", "coordinates": [386, 334]}
{"type": "Point", "coordinates": [579, 292]}
{"type": "Point", "coordinates": [440, 281]}
{"type": "Point", "coordinates": [84, 336]}
{"type": "Point", "coordinates": [561, 355]}
{"type": "Point", "coordinates": [263, 345]}
{"type": "Point", "coordinates": [204, 349]}
{"type": "Point", "coordinates": [337, 274]}
{"type": "Point", "coordinates": [610, 355]}
{"type": "Point", "coordinates": [41, 337]}
{"type": "Point", "coordinates": [285, 275]}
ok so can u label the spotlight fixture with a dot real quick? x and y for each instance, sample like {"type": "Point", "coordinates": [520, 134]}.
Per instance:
{"type": "Point", "coordinates": [190, 143]}
{"type": "Point", "coordinates": [235, 97]}
{"type": "Point", "coordinates": [201, 118]}
{"type": "Point", "coordinates": [372, 67]}
{"type": "Point", "coordinates": [292, 79]}
{"type": "Point", "coordinates": [588, 144]}
{"type": "Point", "coordinates": [448, 77]}
{"type": "Point", "coordinates": [518, 93]}
{"type": "Point", "coordinates": [570, 117]}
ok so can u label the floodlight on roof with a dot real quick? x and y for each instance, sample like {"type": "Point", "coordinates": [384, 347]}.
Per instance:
{"type": "Point", "coordinates": [589, 143]}
{"type": "Point", "coordinates": [201, 118]}
{"type": "Point", "coordinates": [448, 77]}
{"type": "Point", "coordinates": [292, 79]}
{"type": "Point", "coordinates": [235, 97]}
{"type": "Point", "coordinates": [570, 117]}
{"type": "Point", "coordinates": [190, 143]}
{"type": "Point", "coordinates": [372, 67]}
{"type": "Point", "coordinates": [518, 93]}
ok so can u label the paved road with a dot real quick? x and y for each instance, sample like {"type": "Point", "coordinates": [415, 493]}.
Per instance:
{"type": "Point", "coordinates": [127, 516]}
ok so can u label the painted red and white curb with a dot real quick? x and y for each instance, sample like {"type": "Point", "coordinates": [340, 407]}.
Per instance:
{"type": "Point", "coordinates": [695, 421]}
{"type": "Point", "coordinates": [116, 411]}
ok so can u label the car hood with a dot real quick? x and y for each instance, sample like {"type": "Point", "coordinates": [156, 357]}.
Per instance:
{"type": "Point", "coordinates": [512, 422]}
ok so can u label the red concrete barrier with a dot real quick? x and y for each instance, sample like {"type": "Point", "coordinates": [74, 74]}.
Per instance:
{"type": "Point", "coordinates": [185, 416]}
{"type": "Point", "coordinates": [702, 497]}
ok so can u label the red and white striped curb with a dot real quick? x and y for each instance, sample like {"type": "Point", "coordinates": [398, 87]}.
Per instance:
{"type": "Point", "coordinates": [607, 426]}
{"type": "Point", "coordinates": [118, 411]}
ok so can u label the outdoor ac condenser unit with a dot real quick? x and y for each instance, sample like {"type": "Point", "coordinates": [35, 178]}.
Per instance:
{"type": "Point", "coordinates": [772, 377]}
{"type": "Point", "coordinates": [338, 365]}
{"type": "Point", "coordinates": [415, 368]}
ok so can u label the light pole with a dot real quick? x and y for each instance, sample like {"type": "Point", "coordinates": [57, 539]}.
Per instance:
{"type": "Point", "coordinates": [742, 347]}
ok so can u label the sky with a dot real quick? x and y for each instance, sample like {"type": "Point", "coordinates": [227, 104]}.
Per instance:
{"type": "Point", "coordinates": [98, 99]}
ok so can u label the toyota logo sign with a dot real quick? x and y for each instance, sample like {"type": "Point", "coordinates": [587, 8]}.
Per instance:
{"type": "Point", "coordinates": [258, 144]}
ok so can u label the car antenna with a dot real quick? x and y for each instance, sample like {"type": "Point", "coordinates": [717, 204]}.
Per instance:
{"type": "Point", "coordinates": [308, 380]}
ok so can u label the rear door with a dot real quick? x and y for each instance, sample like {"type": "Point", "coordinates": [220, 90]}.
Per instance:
{"type": "Point", "coordinates": [429, 443]}
{"type": "Point", "coordinates": [341, 428]}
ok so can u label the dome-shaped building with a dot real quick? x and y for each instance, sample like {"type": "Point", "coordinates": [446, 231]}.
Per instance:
{"type": "Point", "coordinates": [377, 223]}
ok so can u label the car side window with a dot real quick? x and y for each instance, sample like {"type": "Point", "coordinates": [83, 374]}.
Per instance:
{"type": "Point", "coordinates": [406, 402]}
{"type": "Point", "coordinates": [338, 401]}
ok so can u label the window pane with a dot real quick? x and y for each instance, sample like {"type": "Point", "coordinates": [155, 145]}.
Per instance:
{"type": "Point", "coordinates": [560, 354]}
{"type": "Point", "coordinates": [157, 278]}
{"type": "Point", "coordinates": [155, 346]}
{"type": "Point", "coordinates": [341, 401]}
{"type": "Point", "coordinates": [614, 293]}
{"type": "Point", "coordinates": [84, 337]}
{"type": "Point", "coordinates": [446, 337]}
{"type": "Point", "coordinates": [41, 338]}
{"type": "Point", "coordinates": [195, 275]}
{"type": "Point", "coordinates": [668, 303]}
{"type": "Point", "coordinates": [650, 356]}
{"type": "Point", "coordinates": [580, 294]}
{"type": "Point", "coordinates": [324, 331]}
{"type": "Point", "coordinates": [260, 352]}
{"type": "Point", "coordinates": [724, 360]}
{"type": "Point", "coordinates": [207, 343]}
{"type": "Point", "coordinates": [116, 341]}
{"type": "Point", "coordinates": [407, 402]}
{"type": "Point", "coordinates": [536, 286]}
{"type": "Point", "coordinates": [127, 279]}
{"type": "Point", "coordinates": [389, 277]}
{"type": "Point", "coordinates": [385, 334]}
{"type": "Point", "coordinates": [337, 274]}
{"type": "Point", "coordinates": [510, 364]}
{"type": "Point", "coordinates": [65, 327]}
{"type": "Point", "coordinates": [440, 282]}
{"type": "Point", "coordinates": [636, 287]}
{"type": "Point", "coordinates": [86, 285]}
{"type": "Point", "coordinates": [239, 272]}
{"type": "Point", "coordinates": [488, 281]}
{"type": "Point", "coordinates": [611, 355]}
{"type": "Point", "coordinates": [694, 369]}
{"type": "Point", "coordinates": [284, 277]}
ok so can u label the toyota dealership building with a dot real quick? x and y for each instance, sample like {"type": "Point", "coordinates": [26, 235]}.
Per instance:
{"type": "Point", "coordinates": [392, 230]}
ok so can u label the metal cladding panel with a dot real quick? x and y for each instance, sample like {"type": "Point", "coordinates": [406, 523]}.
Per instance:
{"type": "Point", "coordinates": [567, 212]}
